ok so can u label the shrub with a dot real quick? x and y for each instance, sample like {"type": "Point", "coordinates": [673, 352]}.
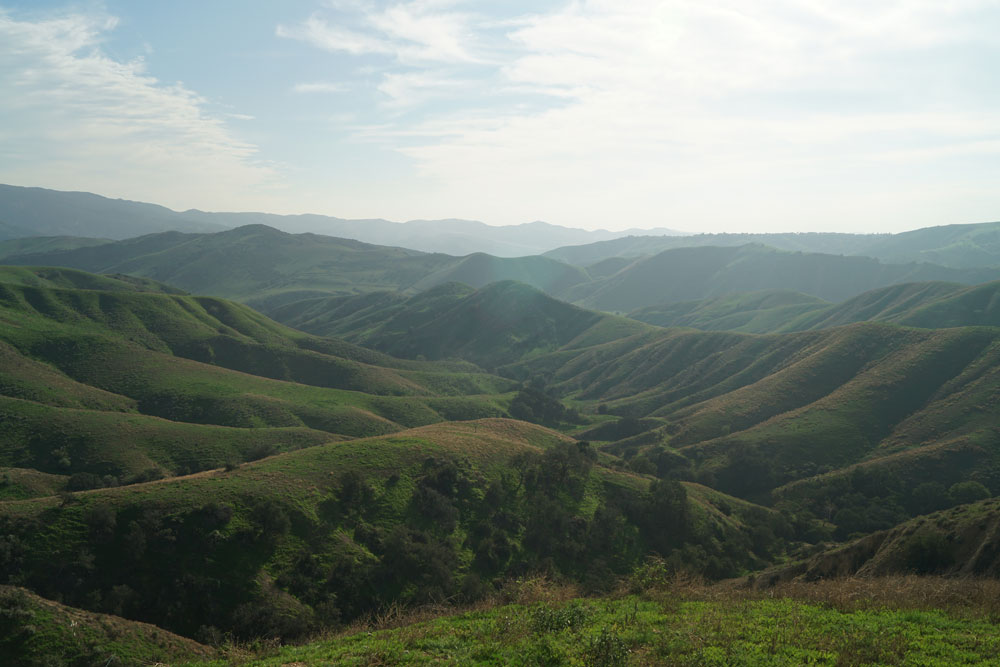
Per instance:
{"type": "Point", "coordinates": [607, 649]}
{"type": "Point", "coordinates": [546, 619]}
{"type": "Point", "coordinates": [271, 518]}
{"type": "Point", "coordinates": [968, 492]}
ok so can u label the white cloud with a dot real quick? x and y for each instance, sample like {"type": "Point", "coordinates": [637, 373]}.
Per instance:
{"type": "Point", "coordinates": [87, 121]}
{"type": "Point", "coordinates": [686, 112]}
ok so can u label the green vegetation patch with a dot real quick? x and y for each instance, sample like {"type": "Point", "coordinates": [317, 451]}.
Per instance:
{"type": "Point", "coordinates": [38, 632]}
{"type": "Point", "coordinates": [635, 631]}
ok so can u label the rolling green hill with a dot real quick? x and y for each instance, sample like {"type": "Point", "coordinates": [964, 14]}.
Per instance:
{"type": "Point", "coordinates": [114, 382]}
{"type": "Point", "coordinates": [957, 542]}
{"type": "Point", "coordinates": [38, 632]}
{"type": "Point", "coordinates": [186, 461]}
{"type": "Point", "coordinates": [327, 533]}
{"type": "Point", "coordinates": [498, 324]}
{"type": "Point", "coordinates": [478, 270]}
{"type": "Point", "coordinates": [747, 312]}
{"type": "Point", "coordinates": [747, 414]}
{"type": "Point", "coordinates": [23, 244]}
{"type": "Point", "coordinates": [64, 278]}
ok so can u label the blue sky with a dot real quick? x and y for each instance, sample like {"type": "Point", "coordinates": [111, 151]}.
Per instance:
{"type": "Point", "coordinates": [701, 115]}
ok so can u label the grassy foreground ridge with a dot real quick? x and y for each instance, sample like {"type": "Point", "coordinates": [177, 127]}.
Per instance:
{"type": "Point", "coordinates": [891, 621]}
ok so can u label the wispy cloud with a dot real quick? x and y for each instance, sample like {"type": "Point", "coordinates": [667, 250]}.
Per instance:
{"type": "Point", "coordinates": [661, 105]}
{"type": "Point", "coordinates": [409, 89]}
{"type": "Point", "coordinates": [413, 33]}
{"type": "Point", "coordinates": [320, 33]}
{"type": "Point", "coordinates": [73, 105]}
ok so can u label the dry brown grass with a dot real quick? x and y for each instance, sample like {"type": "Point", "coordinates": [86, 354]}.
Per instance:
{"type": "Point", "coordinates": [523, 591]}
{"type": "Point", "coordinates": [958, 596]}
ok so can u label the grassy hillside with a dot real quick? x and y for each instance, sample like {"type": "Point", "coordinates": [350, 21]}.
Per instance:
{"type": "Point", "coordinates": [748, 414]}
{"type": "Point", "coordinates": [308, 538]}
{"type": "Point", "coordinates": [927, 304]}
{"type": "Point", "coordinates": [957, 542]}
{"type": "Point", "coordinates": [188, 462]}
{"type": "Point", "coordinates": [111, 384]}
{"type": "Point", "coordinates": [680, 626]}
{"type": "Point", "coordinates": [357, 316]}
{"type": "Point", "coordinates": [37, 632]}
{"type": "Point", "coordinates": [23, 244]}
{"type": "Point", "coordinates": [66, 441]}
{"type": "Point", "coordinates": [480, 269]}
{"type": "Point", "coordinates": [748, 312]}
{"type": "Point", "coordinates": [64, 278]}
{"type": "Point", "coordinates": [495, 325]}
{"type": "Point", "coordinates": [713, 406]}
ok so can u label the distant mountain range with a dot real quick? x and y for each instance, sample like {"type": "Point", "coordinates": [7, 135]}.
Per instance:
{"type": "Point", "coordinates": [41, 212]}
{"type": "Point", "coordinates": [268, 268]}
{"type": "Point", "coordinates": [683, 274]}
{"type": "Point", "coordinates": [28, 212]}
{"type": "Point", "coordinates": [956, 246]}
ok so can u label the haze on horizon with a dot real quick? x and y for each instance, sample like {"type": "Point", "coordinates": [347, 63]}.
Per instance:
{"type": "Point", "coordinates": [790, 115]}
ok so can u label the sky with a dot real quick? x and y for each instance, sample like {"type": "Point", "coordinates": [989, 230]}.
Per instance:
{"type": "Point", "coordinates": [697, 115]}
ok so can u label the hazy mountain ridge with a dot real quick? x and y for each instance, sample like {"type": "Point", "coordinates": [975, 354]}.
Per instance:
{"type": "Point", "coordinates": [41, 212]}
{"type": "Point", "coordinates": [449, 236]}
{"type": "Point", "coordinates": [957, 246]}
{"type": "Point", "coordinates": [684, 274]}
{"type": "Point", "coordinates": [270, 268]}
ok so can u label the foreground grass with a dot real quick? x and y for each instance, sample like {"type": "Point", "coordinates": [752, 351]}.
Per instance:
{"type": "Point", "coordinates": [878, 622]}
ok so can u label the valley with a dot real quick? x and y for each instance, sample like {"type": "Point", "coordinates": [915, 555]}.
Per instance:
{"type": "Point", "coordinates": [210, 440]}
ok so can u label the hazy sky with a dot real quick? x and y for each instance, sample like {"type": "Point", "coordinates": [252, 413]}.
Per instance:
{"type": "Point", "coordinates": [701, 115]}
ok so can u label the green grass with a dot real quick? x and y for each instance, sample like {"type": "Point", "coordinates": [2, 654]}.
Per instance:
{"type": "Point", "coordinates": [35, 631]}
{"type": "Point", "coordinates": [496, 325]}
{"type": "Point", "coordinates": [210, 361]}
{"type": "Point", "coordinates": [669, 631]}
{"type": "Point", "coordinates": [65, 441]}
